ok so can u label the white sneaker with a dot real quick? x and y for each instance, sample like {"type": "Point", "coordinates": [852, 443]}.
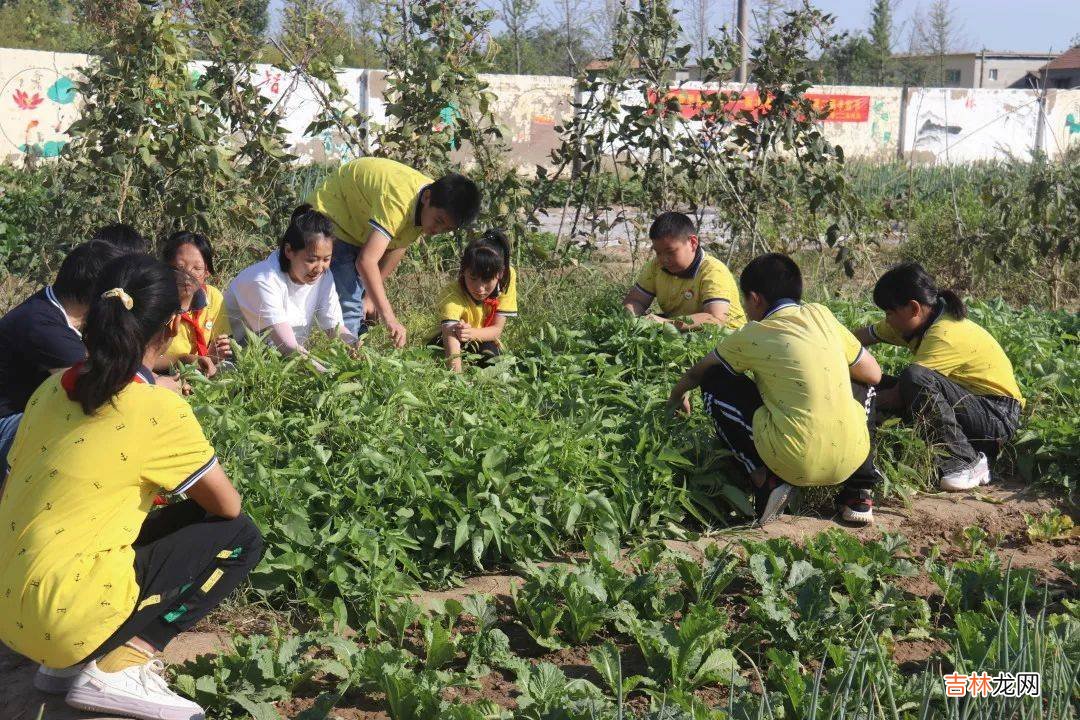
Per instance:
{"type": "Point", "coordinates": [137, 692]}
{"type": "Point", "coordinates": [55, 681]}
{"type": "Point", "coordinates": [982, 470]}
{"type": "Point", "coordinates": [960, 480]}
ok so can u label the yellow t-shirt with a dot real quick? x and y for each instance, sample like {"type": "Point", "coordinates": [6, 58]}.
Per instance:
{"type": "Point", "coordinates": [79, 489]}
{"type": "Point", "coordinates": [456, 304]}
{"type": "Point", "coordinates": [810, 430]}
{"type": "Point", "coordinates": [213, 320]}
{"type": "Point", "coordinates": [962, 351]}
{"type": "Point", "coordinates": [708, 280]}
{"type": "Point", "coordinates": [372, 194]}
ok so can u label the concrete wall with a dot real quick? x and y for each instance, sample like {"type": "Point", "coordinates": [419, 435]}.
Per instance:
{"type": "Point", "coordinates": [37, 103]}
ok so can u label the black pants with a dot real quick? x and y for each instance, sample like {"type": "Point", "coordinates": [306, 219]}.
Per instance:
{"type": "Point", "coordinates": [958, 423]}
{"type": "Point", "coordinates": [486, 350]}
{"type": "Point", "coordinates": [186, 563]}
{"type": "Point", "coordinates": [731, 399]}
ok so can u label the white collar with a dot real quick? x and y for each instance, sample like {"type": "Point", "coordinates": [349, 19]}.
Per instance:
{"type": "Point", "coordinates": [50, 295]}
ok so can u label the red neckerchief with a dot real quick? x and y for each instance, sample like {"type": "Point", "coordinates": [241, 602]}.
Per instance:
{"type": "Point", "coordinates": [194, 318]}
{"type": "Point", "coordinates": [491, 304]}
{"type": "Point", "coordinates": [71, 376]}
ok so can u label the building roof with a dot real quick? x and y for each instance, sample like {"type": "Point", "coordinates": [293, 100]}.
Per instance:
{"type": "Point", "coordinates": [990, 54]}
{"type": "Point", "coordinates": [1068, 60]}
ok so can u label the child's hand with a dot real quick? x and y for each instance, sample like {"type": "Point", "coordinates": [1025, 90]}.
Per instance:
{"type": "Point", "coordinates": [464, 332]}
{"type": "Point", "coordinates": [653, 317]}
{"type": "Point", "coordinates": [221, 349]}
{"type": "Point", "coordinates": [397, 333]}
{"type": "Point", "coordinates": [206, 366]}
{"type": "Point", "coordinates": [678, 405]}
{"type": "Point", "coordinates": [371, 315]}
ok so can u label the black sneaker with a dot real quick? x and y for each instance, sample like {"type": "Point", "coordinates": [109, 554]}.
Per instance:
{"type": "Point", "coordinates": [856, 506]}
{"type": "Point", "coordinates": [771, 498]}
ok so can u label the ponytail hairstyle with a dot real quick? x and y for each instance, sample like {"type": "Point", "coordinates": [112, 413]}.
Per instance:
{"type": "Point", "coordinates": [134, 299]}
{"type": "Point", "coordinates": [910, 281]}
{"type": "Point", "coordinates": [305, 224]}
{"type": "Point", "coordinates": [197, 240]}
{"type": "Point", "coordinates": [488, 256]}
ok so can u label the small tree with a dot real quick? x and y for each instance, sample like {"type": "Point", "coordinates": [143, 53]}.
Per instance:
{"type": "Point", "coordinates": [158, 143]}
{"type": "Point", "coordinates": [518, 17]}
{"type": "Point", "coordinates": [881, 39]}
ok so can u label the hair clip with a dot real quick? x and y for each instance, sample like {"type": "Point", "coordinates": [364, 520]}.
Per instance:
{"type": "Point", "coordinates": [120, 294]}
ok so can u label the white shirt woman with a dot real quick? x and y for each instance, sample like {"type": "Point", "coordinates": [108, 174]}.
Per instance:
{"type": "Point", "coordinates": [290, 293]}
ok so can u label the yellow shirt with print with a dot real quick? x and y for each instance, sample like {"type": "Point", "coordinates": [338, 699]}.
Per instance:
{"type": "Point", "coordinates": [213, 319]}
{"type": "Point", "coordinates": [709, 282]}
{"type": "Point", "coordinates": [456, 304]}
{"type": "Point", "coordinates": [962, 351]}
{"type": "Point", "coordinates": [372, 194]}
{"type": "Point", "coordinates": [79, 489]}
{"type": "Point", "coordinates": [810, 430]}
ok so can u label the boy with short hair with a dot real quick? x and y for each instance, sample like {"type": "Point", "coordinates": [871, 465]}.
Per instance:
{"type": "Point", "coordinates": [123, 237]}
{"type": "Point", "coordinates": [805, 419]}
{"type": "Point", "coordinates": [684, 280]}
{"type": "Point", "coordinates": [379, 207]}
{"type": "Point", "coordinates": [41, 335]}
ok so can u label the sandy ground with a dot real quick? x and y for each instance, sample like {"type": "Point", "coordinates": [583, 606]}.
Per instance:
{"type": "Point", "coordinates": [930, 520]}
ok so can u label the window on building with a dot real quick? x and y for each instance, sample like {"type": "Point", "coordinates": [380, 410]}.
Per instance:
{"type": "Point", "coordinates": [952, 76]}
{"type": "Point", "coordinates": [993, 73]}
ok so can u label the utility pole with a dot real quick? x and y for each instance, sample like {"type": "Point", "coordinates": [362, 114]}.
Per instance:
{"type": "Point", "coordinates": [743, 19]}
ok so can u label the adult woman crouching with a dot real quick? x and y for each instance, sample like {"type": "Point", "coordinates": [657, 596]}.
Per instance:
{"type": "Point", "coordinates": [95, 581]}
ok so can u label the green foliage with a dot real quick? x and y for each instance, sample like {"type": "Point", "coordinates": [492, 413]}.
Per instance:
{"type": "Point", "coordinates": [154, 139]}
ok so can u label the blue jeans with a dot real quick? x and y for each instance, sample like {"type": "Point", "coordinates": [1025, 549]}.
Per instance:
{"type": "Point", "coordinates": [349, 286]}
{"type": "Point", "coordinates": [8, 426]}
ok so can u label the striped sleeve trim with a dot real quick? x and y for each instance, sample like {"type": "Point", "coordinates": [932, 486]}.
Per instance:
{"type": "Point", "coordinates": [857, 357]}
{"type": "Point", "coordinates": [644, 290]}
{"type": "Point", "coordinates": [715, 300]}
{"type": "Point", "coordinates": [450, 321]}
{"type": "Point", "coordinates": [873, 332]}
{"type": "Point", "coordinates": [194, 477]}
{"type": "Point", "coordinates": [389, 235]}
{"type": "Point", "coordinates": [507, 313]}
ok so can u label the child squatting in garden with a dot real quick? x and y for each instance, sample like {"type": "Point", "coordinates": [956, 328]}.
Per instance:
{"type": "Point", "coordinates": [684, 280]}
{"type": "Point", "coordinates": [97, 584]}
{"type": "Point", "coordinates": [960, 386]}
{"type": "Point", "coordinates": [806, 417]}
{"type": "Point", "coordinates": [203, 336]}
{"type": "Point", "coordinates": [290, 292]}
{"type": "Point", "coordinates": [474, 308]}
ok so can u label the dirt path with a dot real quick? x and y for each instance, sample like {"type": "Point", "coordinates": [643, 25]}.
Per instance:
{"type": "Point", "coordinates": [930, 520]}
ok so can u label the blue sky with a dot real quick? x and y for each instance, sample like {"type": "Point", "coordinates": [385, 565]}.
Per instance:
{"type": "Point", "coordinates": [1015, 25]}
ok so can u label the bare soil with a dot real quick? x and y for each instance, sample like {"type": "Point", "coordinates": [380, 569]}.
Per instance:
{"type": "Point", "coordinates": [930, 520]}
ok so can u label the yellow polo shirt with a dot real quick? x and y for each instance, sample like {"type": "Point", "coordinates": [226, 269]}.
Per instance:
{"type": "Point", "coordinates": [372, 194]}
{"type": "Point", "coordinates": [707, 281]}
{"type": "Point", "coordinates": [456, 304]}
{"type": "Point", "coordinates": [962, 351]}
{"type": "Point", "coordinates": [213, 320]}
{"type": "Point", "coordinates": [810, 430]}
{"type": "Point", "coordinates": [79, 489]}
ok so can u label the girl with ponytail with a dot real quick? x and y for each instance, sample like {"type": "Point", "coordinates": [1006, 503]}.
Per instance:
{"type": "Point", "coordinates": [290, 293]}
{"type": "Point", "coordinates": [473, 309]}
{"type": "Point", "coordinates": [99, 583]}
{"type": "Point", "coordinates": [960, 387]}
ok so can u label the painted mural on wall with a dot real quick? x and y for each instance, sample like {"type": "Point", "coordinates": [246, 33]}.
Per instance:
{"type": "Point", "coordinates": [953, 126]}
{"type": "Point", "coordinates": [693, 102]}
{"type": "Point", "coordinates": [37, 103]}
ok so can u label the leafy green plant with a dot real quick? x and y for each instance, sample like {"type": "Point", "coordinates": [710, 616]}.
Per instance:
{"type": "Point", "coordinates": [1051, 525]}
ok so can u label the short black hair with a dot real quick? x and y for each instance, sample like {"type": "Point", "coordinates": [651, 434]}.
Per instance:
{"type": "Point", "coordinates": [78, 273]}
{"type": "Point", "coordinates": [122, 236]}
{"type": "Point", "coordinates": [458, 196]}
{"type": "Point", "coordinates": [197, 240]}
{"type": "Point", "coordinates": [773, 276]}
{"type": "Point", "coordinates": [671, 225]}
